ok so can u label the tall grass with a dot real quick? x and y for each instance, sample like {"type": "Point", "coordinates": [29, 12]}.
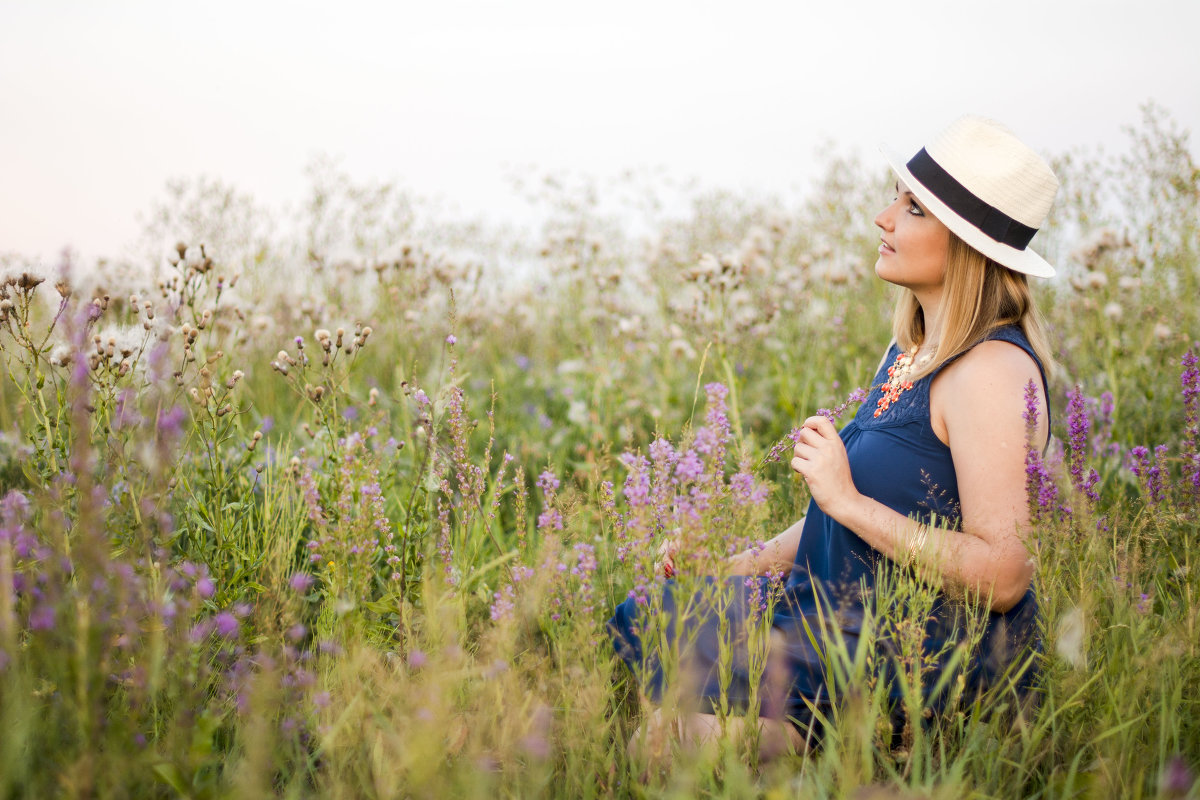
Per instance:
{"type": "Point", "coordinates": [345, 515]}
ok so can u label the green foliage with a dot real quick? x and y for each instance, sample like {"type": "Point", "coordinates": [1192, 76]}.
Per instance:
{"type": "Point", "coordinates": [344, 517]}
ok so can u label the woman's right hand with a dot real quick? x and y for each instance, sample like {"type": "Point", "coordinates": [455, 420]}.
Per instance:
{"type": "Point", "coordinates": [665, 564]}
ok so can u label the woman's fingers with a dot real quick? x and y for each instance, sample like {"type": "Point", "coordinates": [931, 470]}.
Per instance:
{"type": "Point", "coordinates": [804, 450]}
{"type": "Point", "coordinates": [819, 425]}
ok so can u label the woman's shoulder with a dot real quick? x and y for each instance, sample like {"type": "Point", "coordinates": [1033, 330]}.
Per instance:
{"type": "Point", "coordinates": [988, 386]}
{"type": "Point", "coordinates": [1005, 349]}
{"type": "Point", "coordinates": [994, 362]}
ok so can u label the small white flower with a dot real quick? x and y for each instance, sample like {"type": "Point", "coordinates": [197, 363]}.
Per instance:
{"type": "Point", "coordinates": [1069, 638]}
{"type": "Point", "coordinates": [680, 349]}
{"type": "Point", "coordinates": [1113, 311]}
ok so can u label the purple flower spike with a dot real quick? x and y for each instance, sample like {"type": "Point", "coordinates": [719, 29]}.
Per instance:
{"type": "Point", "coordinates": [1078, 431]}
{"type": "Point", "coordinates": [1190, 381]}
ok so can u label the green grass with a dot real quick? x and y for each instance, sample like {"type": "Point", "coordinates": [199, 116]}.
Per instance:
{"type": "Point", "coordinates": [186, 610]}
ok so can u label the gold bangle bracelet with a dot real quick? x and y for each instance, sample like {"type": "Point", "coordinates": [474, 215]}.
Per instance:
{"type": "Point", "coordinates": [917, 543]}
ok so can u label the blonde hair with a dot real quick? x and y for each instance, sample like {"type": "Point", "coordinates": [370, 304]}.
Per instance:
{"type": "Point", "coordinates": [978, 296]}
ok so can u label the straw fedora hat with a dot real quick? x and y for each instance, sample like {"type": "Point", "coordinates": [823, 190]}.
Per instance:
{"type": "Point", "coordinates": [985, 185]}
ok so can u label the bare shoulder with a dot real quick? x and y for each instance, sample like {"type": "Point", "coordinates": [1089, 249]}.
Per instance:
{"type": "Point", "coordinates": [984, 392]}
{"type": "Point", "coordinates": [993, 363]}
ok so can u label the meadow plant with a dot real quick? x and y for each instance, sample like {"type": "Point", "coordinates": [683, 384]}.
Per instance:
{"type": "Point", "coordinates": [249, 550]}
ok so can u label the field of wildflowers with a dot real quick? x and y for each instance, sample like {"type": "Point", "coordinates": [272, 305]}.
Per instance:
{"type": "Point", "coordinates": [343, 513]}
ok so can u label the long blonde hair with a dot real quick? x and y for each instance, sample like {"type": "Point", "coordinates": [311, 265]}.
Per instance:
{"type": "Point", "coordinates": [978, 296]}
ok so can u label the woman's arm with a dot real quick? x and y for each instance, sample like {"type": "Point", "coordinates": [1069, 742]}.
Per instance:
{"type": "Point", "coordinates": [986, 433]}
{"type": "Point", "coordinates": [776, 556]}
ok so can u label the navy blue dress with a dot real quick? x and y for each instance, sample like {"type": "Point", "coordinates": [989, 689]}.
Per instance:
{"type": "Point", "coordinates": [897, 459]}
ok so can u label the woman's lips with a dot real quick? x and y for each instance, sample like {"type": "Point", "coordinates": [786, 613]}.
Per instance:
{"type": "Point", "coordinates": [884, 250]}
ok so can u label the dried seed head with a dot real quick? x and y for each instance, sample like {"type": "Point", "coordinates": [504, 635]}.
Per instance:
{"type": "Point", "coordinates": [27, 280]}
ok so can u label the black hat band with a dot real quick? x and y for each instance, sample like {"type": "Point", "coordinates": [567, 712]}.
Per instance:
{"type": "Point", "coordinates": [991, 221]}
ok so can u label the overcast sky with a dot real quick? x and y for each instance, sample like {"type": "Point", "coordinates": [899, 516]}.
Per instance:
{"type": "Point", "coordinates": [102, 102]}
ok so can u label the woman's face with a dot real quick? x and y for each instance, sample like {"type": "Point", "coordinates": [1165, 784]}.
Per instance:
{"type": "Point", "coordinates": [914, 245]}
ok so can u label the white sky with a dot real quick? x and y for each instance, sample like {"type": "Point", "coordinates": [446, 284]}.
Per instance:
{"type": "Point", "coordinates": [101, 103]}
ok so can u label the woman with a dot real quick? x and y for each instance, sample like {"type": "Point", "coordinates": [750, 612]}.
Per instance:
{"type": "Point", "coordinates": [929, 475]}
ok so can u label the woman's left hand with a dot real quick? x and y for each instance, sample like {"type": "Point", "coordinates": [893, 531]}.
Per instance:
{"type": "Point", "coordinates": [820, 457]}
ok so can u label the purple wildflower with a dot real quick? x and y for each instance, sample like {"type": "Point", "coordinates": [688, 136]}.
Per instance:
{"type": "Point", "coordinates": [717, 420]}
{"type": "Point", "coordinates": [1039, 483]}
{"type": "Point", "coordinates": [1078, 429]}
{"type": "Point", "coordinates": [1177, 778]}
{"type": "Point", "coordinates": [170, 423]}
{"type": "Point", "coordinates": [503, 603]}
{"type": "Point", "coordinates": [452, 339]}
{"type": "Point", "coordinates": [226, 625]}
{"type": "Point", "coordinates": [833, 414]}
{"type": "Point", "coordinates": [746, 490]}
{"type": "Point", "coordinates": [550, 518]}
{"type": "Point", "coordinates": [1190, 381]}
{"type": "Point", "coordinates": [548, 482]}
{"type": "Point", "coordinates": [1102, 440]}
{"type": "Point", "coordinates": [637, 482]}
{"type": "Point", "coordinates": [205, 587]}
{"type": "Point", "coordinates": [301, 582]}
{"type": "Point", "coordinates": [445, 551]}
{"type": "Point", "coordinates": [312, 496]}
{"type": "Point", "coordinates": [41, 618]}
{"type": "Point", "coordinates": [1149, 471]}
{"type": "Point", "coordinates": [662, 453]}
{"type": "Point", "coordinates": [584, 570]}
{"type": "Point", "coordinates": [690, 467]}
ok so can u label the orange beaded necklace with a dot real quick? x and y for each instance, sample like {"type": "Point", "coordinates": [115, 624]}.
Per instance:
{"type": "Point", "coordinates": [898, 382]}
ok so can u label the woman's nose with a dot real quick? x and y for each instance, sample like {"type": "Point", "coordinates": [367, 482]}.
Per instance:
{"type": "Point", "coordinates": [883, 219]}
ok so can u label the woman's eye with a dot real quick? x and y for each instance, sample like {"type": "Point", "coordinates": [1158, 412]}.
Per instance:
{"type": "Point", "coordinates": [915, 209]}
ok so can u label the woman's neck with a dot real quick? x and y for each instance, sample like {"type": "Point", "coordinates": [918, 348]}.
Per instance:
{"type": "Point", "coordinates": [933, 325]}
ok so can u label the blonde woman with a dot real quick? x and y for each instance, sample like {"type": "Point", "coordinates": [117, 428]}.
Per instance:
{"type": "Point", "coordinates": [929, 475]}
